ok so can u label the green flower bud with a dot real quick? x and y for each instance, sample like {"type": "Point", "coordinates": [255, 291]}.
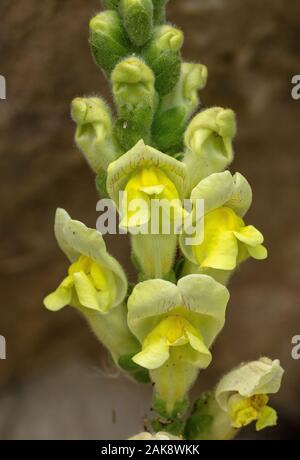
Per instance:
{"type": "Point", "coordinates": [159, 11]}
{"type": "Point", "coordinates": [165, 38]}
{"type": "Point", "coordinates": [108, 41]}
{"type": "Point", "coordinates": [176, 108]}
{"type": "Point", "coordinates": [138, 20]}
{"type": "Point", "coordinates": [163, 56]}
{"type": "Point", "coordinates": [94, 133]}
{"type": "Point", "coordinates": [134, 92]}
{"type": "Point", "coordinates": [208, 141]}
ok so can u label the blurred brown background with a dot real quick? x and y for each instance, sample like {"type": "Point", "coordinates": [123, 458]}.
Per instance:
{"type": "Point", "coordinates": [52, 384]}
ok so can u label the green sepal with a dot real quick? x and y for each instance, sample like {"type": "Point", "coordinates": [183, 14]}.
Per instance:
{"type": "Point", "coordinates": [174, 427]}
{"type": "Point", "coordinates": [139, 373]}
{"type": "Point", "coordinates": [138, 20]}
{"type": "Point", "coordinates": [166, 69]}
{"type": "Point", "coordinates": [133, 124]}
{"type": "Point", "coordinates": [100, 181]}
{"type": "Point", "coordinates": [163, 56]}
{"type": "Point", "coordinates": [108, 40]}
{"type": "Point", "coordinates": [178, 266]}
{"type": "Point", "coordinates": [200, 420]}
{"type": "Point", "coordinates": [159, 11]}
{"type": "Point", "coordinates": [171, 276]}
{"type": "Point", "coordinates": [171, 422]}
{"type": "Point", "coordinates": [178, 411]}
{"type": "Point", "coordinates": [168, 129]}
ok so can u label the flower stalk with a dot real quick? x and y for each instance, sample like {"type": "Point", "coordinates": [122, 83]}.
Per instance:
{"type": "Point", "coordinates": [154, 151]}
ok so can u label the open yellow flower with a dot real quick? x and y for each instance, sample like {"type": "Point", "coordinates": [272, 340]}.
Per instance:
{"type": "Point", "coordinates": [240, 398]}
{"type": "Point", "coordinates": [95, 279]}
{"type": "Point", "coordinates": [244, 411]}
{"type": "Point", "coordinates": [243, 393]}
{"type": "Point", "coordinates": [145, 174]}
{"type": "Point", "coordinates": [148, 188]}
{"type": "Point", "coordinates": [176, 326]}
{"type": "Point", "coordinates": [173, 331]}
{"type": "Point", "coordinates": [95, 285]}
{"type": "Point", "coordinates": [226, 239]}
{"type": "Point", "coordinates": [145, 185]}
{"type": "Point", "coordinates": [88, 284]}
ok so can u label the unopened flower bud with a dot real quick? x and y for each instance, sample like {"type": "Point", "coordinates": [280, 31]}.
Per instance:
{"type": "Point", "coordinates": [138, 20]}
{"type": "Point", "coordinates": [163, 56]}
{"type": "Point", "coordinates": [107, 38]}
{"type": "Point", "coordinates": [208, 141]}
{"type": "Point", "coordinates": [94, 133]}
{"type": "Point", "coordinates": [176, 107]}
{"type": "Point", "coordinates": [134, 92]}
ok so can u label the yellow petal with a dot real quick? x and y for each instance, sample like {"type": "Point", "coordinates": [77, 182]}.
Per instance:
{"type": "Point", "coordinates": [220, 252]}
{"type": "Point", "coordinates": [249, 235]}
{"type": "Point", "coordinates": [219, 249]}
{"type": "Point", "coordinates": [61, 297]}
{"type": "Point", "coordinates": [86, 292]}
{"type": "Point", "coordinates": [203, 357]}
{"type": "Point", "coordinates": [267, 417]}
{"type": "Point", "coordinates": [153, 189]}
{"type": "Point", "coordinates": [98, 277]}
{"type": "Point", "coordinates": [154, 354]}
{"type": "Point", "coordinates": [259, 253]}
